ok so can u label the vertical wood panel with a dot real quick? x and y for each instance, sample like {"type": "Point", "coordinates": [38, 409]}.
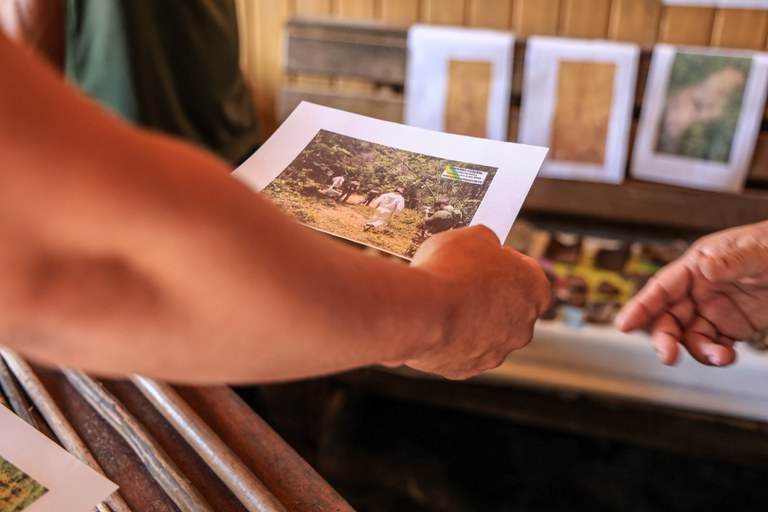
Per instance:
{"type": "Point", "coordinates": [359, 9]}
{"type": "Point", "coordinates": [443, 12]}
{"type": "Point", "coordinates": [686, 25]}
{"type": "Point", "coordinates": [310, 8]}
{"type": "Point", "coordinates": [271, 16]}
{"type": "Point", "coordinates": [400, 11]}
{"type": "Point", "coordinates": [585, 18]}
{"type": "Point", "coordinates": [354, 9]}
{"type": "Point", "coordinates": [635, 21]}
{"type": "Point", "coordinates": [313, 7]}
{"type": "Point", "coordinates": [740, 28]}
{"type": "Point", "coordinates": [489, 13]}
{"type": "Point", "coordinates": [536, 17]}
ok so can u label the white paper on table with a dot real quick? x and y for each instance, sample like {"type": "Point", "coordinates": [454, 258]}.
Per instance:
{"type": "Point", "coordinates": [723, 4]}
{"type": "Point", "coordinates": [511, 167]}
{"type": "Point", "coordinates": [543, 56]}
{"type": "Point", "coordinates": [430, 51]}
{"type": "Point", "coordinates": [650, 164]}
{"type": "Point", "coordinates": [71, 486]}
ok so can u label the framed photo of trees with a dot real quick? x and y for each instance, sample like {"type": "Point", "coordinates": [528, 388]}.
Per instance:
{"type": "Point", "coordinates": [700, 117]}
{"type": "Point", "coordinates": [577, 99]}
{"type": "Point", "coordinates": [387, 185]}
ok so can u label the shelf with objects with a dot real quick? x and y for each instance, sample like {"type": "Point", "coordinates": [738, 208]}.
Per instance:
{"type": "Point", "coordinates": [599, 240]}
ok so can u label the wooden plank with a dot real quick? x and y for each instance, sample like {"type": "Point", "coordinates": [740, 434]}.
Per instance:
{"type": "Point", "coordinates": [400, 11]}
{"type": "Point", "coordinates": [640, 203]}
{"type": "Point", "coordinates": [355, 9]}
{"type": "Point", "coordinates": [585, 18]}
{"type": "Point", "coordinates": [759, 168]}
{"type": "Point", "coordinates": [635, 21]}
{"type": "Point", "coordinates": [271, 15]}
{"type": "Point", "coordinates": [337, 48]}
{"type": "Point", "coordinates": [490, 14]}
{"type": "Point", "coordinates": [443, 12]}
{"type": "Point", "coordinates": [309, 8]}
{"type": "Point", "coordinates": [740, 28]}
{"type": "Point", "coordinates": [386, 106]}
{"type": "Point", "coordinates": [540, 17]}
{"type": "Point", "coordinates": [312, 7]}
{"type": "Point", "coordinates": [686, 25]}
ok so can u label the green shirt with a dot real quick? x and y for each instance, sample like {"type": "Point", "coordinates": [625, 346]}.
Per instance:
{"type": "Point", "coordinates": [171, 65]}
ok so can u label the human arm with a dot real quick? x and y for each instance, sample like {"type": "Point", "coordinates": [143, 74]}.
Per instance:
{"type": "Point", "coordinates": [124, 251]}
{"type": "Point", "coordinates": [711, 297]}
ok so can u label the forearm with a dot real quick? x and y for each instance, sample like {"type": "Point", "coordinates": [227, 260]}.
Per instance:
{"type": "Point", "coordinates": [129, 252]}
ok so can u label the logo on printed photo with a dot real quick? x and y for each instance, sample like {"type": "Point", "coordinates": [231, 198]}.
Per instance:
{"type": "Point", "coordinates": [464, 175]}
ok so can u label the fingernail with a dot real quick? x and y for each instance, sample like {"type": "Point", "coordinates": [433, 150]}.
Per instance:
{"type": "Point", "coordinates": [714, 359]}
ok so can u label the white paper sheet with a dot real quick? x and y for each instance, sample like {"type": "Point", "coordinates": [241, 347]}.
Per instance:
{"type": "Point", "coordinates": [430, 51]}
{"type": "Point", "coordinates": [664, 107]}
{"type": "Point", "coordinates": [543, 60]}
{"type": "Point", "coordinates": [503, 171]}
{"type": "Point", "coordinates": [65, 483]}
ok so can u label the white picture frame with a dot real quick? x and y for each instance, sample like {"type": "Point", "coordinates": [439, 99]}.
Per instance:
{"type": "Point", "coordinates": [665, 149]}
{"type": "Point", "coordinates": [430, 51]}
{"type": "Point", "coordinates": [541, 106]}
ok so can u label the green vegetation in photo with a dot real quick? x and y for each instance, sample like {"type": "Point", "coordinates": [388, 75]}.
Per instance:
{"type": "Point", "coordinates": [703, 104]}
{"type": "Point", "coordinates": [17, 489]}
{"type": "Point", "coordinates": [374, 169]}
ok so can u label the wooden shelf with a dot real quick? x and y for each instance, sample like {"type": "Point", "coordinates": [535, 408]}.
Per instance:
{"type": "Point", "coordinates": [647, 203]}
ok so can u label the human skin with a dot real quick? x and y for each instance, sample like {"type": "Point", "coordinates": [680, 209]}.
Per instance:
{"type": "Point", "coordinates": [711, 297]}
{"type": "Point", "coordinates": [125, 251]}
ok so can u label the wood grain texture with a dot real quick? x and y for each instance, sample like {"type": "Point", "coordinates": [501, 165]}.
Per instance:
{"type": "Point", "coordinates": [541, 17]}
{"type": "Point", "coordinates": [443, 12]}
{"type": "Point", "coordinates": [584, 18]}
{"type": "Point", "coordinates": [489, 14]}
{"type": "Point", "coordinates": [740, 28]}
{"type": "Point", "coordinates": [686, 25]}
{"type": "Point", "coordinates": [355, 9]}
{"type": "Point", "coordinates": [635, 21]}
{"type": "Point", "coordinates": [400, 11]}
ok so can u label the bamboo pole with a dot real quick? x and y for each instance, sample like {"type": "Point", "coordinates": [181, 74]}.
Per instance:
{"type": "Point", "coordinates": [219, 457]}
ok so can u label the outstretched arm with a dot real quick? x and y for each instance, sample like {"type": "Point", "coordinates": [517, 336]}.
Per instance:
{"type": "Point", "coordinates": [714, 295]}
{"type": "Point", "coordinates": [124, 251]}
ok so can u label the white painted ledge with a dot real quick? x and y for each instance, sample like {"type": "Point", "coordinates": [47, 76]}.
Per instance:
{"type": "Point", "coordinates": [602, 360]}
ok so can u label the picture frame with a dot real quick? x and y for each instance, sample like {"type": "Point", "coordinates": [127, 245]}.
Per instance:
{"type": "Point", "coordinates": [700, 117]}
{"type": "Point", "coordinates": [459, 80]}
{"type": "Point", "coordinates": [577, 99]}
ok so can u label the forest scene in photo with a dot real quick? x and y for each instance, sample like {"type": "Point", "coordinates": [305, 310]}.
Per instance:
{"type": "Point", "coordinates": [377, 195]}
{"type": "Point", "coordinates": [703, 104]}
{"type": "Point", "coordinates": [17, 489]}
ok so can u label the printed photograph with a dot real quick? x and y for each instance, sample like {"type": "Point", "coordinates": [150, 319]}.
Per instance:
{"type": "Point", "coordinates": [583, 111]}
{"type": "Point", "coordinates": [377, 195]}
{"type": "Point", "coordinates": [703, 105]}
{"type": "Point", "coordinates": [17, 489]}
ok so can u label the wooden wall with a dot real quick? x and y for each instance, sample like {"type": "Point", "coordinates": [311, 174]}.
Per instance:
{"type": "Point", "coordinates": [641, 21]}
